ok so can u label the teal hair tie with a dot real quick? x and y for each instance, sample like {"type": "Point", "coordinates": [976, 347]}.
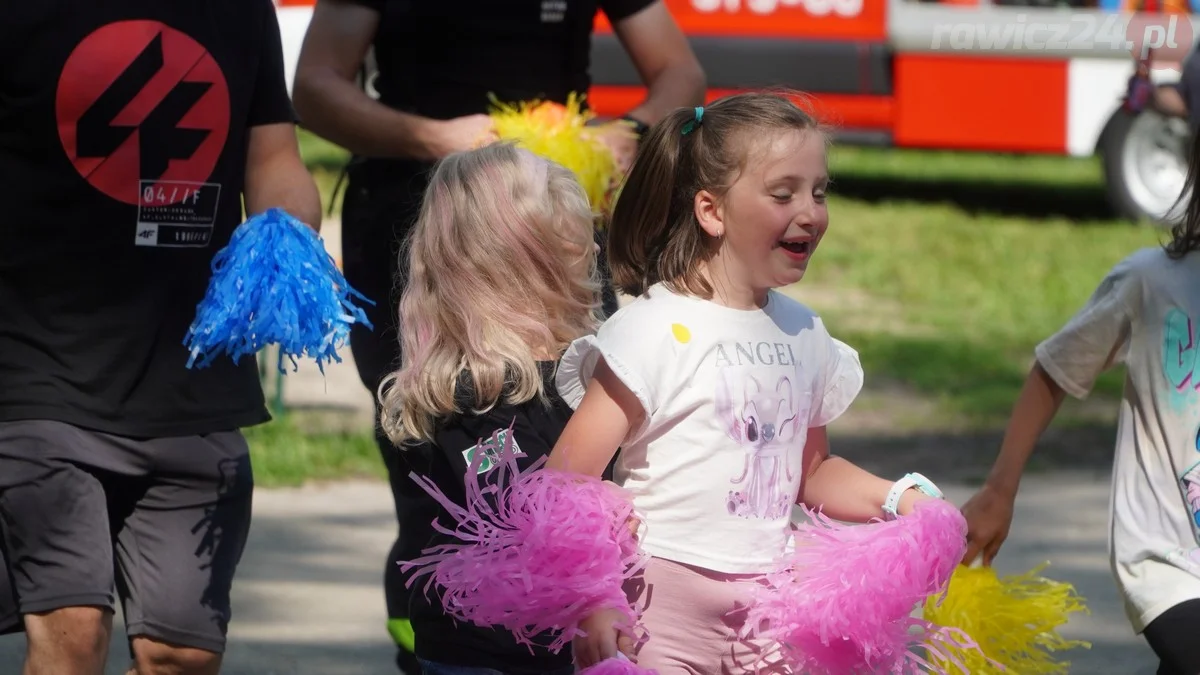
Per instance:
{"type": "Point", "coordinates": [691, 126]}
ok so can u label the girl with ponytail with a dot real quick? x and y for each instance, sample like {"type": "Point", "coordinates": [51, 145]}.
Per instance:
{"type": "Point", "coordinates": [716, 387]}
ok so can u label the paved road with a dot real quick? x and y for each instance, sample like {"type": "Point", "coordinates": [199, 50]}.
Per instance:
{"type": "Point", "coordinates": [307, 601]}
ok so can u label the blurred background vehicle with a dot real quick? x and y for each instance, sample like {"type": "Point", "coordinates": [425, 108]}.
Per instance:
{"type": "Point", "coordinates": [1013, 76]}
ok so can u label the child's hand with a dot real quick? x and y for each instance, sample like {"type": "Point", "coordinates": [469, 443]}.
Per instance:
{"type": "Point", "coordinates": [989, 515]}
{"type": "Point", "coordinates": [604, 638]}
{"type": "Point", "coordinates": [633, 523]}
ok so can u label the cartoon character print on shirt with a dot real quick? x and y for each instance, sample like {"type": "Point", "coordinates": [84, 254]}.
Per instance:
{"type": "Point", "coordinates": [762, 419]}
{"type": "Point", "coordinates": [143, 113]}
{"type": "Point", "coordinates": [1189, 559]}
{"type": "Point", "coordinates": [758, 404]}
{"type": "Point", "coordinates": [1181, 358]}
{"type": "Point", "coordinates": [1190, 482]}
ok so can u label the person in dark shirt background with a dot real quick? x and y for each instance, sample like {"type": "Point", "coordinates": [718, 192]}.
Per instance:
{"type": "Point", "coordinates": [130, 133]}
{"type": "Point", "coordinates": [502, 264]}
{"type": "Point", "coordinates": [438, 63]}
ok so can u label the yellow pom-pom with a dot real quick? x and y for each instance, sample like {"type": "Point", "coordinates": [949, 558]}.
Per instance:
{"type": "Point", "coordinates": [561, 134]}
{"type": "Point", "coordinates": [1015, 620]}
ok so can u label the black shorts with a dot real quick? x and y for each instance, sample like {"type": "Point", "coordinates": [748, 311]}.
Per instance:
{"type": "Point", "coordinates": [88, 517]}
{"type": "Point", "coordinates": [1173, 637]}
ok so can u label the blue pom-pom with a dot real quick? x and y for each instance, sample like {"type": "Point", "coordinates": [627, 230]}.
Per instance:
{"type": "Point", "coordinates": [274, 284]}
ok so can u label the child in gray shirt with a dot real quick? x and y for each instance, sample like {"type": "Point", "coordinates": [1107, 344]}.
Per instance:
{"type": "Point", "coordinates": [1144, 314]}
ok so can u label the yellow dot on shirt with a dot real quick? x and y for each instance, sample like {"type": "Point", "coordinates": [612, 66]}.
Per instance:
{"type": "Point", "coordinates": [681, 333]}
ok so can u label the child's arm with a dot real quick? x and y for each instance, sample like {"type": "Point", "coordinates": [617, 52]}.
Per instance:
{"type": "Point", "coordinates": [989, 513]}
{"type": "Point", "coordinates": [1068, 362]}
{"type": "Point", "coordinates": [608, 411]}
{"type": "Point", "coordinates": [600, 424]}
{"type": "Point", "coordinates": [842, 490]}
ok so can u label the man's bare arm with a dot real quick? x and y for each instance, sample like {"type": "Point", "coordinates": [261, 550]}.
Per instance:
{"type": "Point", "coordinates": [276, 176]}
{"type": "Point", "coordinates": [664, 60]}
{"type": "Point", "coordinates": [331, 103]}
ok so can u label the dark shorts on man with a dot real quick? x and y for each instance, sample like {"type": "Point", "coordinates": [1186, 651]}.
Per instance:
{"type": "Point", "coordinates": [87, 518]}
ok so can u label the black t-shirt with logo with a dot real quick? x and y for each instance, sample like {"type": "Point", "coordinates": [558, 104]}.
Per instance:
{"type": "Point", "coordinates": [123, 136]}
{"type": "Point", "coordinates": [536, 426]}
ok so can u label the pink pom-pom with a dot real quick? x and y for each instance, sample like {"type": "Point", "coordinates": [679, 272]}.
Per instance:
{"type": "Point", "coordinates": [843, 601]}
{"type": "Point", "coordinates": [617, 666]}
{"type": "Point", "coordinates": [545, 551]}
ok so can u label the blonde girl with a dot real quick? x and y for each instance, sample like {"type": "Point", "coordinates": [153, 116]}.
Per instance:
{"type": "Point", "coordinates": [501, 279]}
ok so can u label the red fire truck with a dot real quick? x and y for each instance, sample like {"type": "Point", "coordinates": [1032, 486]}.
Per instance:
{"type": "Point", "coordinates": [968, 75]}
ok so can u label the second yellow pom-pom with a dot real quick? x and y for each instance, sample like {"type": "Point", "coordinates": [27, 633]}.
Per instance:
{"type": "Point", "coordinates": [1014, 619]}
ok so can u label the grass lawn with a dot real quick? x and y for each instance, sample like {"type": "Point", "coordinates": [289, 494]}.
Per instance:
{"type": "Point", "coordinates": [289, 452]}
{"type": "Point", "coordinates": [948, 301]}
{"type": "Point", "coordinates": [943, 269]}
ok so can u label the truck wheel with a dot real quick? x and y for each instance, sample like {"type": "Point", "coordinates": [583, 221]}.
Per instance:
{"type": "Point", "coordinates": [1145, 164]}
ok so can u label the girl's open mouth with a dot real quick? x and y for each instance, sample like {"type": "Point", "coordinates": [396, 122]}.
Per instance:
{"type": "Point", "coordinates": [799, 248]}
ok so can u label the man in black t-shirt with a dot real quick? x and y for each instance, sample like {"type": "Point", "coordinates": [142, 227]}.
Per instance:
{"type": "Point", "coordinates": [130, 133]}
{"type": "Point", "coordinates": [438, 62]}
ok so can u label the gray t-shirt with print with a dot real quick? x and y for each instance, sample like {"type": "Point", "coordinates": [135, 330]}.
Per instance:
{"type": "Point", "coordinates": [1146, 313]}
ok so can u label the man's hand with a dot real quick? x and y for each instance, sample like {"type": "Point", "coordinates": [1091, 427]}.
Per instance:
{"type": "Point", "coordinates": [461, 134]}
{"type": "Point", "coordinates": [989, 515]}
{"type": "Point", "coordinates": [623, 143]}
{"type": "Point", "coordinates": [604, 638]}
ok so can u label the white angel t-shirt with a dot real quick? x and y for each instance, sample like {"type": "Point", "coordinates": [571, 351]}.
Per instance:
{"type": "Point", "coordinates": [729, 396]}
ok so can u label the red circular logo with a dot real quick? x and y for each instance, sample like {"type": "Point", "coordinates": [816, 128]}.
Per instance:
{"type": "Point", "coordinates": [140, 105]}
{"type": "Point", "coordinates": [1163, 39]}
